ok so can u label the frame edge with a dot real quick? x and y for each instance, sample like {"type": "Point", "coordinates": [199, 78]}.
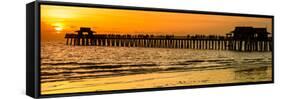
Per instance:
{"type": "Point", "coordinates": [134, 8]}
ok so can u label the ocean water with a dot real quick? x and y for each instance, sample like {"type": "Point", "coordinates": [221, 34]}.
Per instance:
{"type": "Point", "coordinates": [60, 62]}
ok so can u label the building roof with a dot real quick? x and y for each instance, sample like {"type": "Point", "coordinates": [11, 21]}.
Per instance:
{"type": "Point", "coordinates": [85, 29]}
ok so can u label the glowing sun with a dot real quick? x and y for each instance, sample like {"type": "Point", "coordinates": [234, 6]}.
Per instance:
{"type": "Point", "coordinates": [58, 27]}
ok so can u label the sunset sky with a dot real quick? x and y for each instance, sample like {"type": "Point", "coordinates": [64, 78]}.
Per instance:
{"type": "Point", "coordinates": [58, 20]}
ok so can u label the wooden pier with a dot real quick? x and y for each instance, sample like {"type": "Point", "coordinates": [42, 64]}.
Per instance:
{"type": "Point", "coordinates": [168, 41]}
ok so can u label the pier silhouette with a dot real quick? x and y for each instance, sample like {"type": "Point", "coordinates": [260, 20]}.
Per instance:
{"type": "Point", "coordinates": [240, 39]}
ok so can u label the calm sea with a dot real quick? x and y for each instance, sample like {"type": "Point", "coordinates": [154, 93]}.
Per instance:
{"type": "Point", "coordinates": [62, 63]}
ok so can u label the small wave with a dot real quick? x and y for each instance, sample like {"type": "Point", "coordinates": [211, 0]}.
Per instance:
{"type": "Point", "coordinates": [71, 63]}
{"type": "Point", "coordinates": [195, 60]}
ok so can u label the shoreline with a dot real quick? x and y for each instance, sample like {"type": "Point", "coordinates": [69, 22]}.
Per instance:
{"type": "Point", "coordinates": [159, 80]}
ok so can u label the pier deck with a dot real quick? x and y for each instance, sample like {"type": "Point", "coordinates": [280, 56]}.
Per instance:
{"type": "Point", "coordinates": [169, 41]}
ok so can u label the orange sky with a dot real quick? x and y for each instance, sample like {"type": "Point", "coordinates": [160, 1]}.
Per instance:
{"type": "Point", "coordinates": [58, 20]}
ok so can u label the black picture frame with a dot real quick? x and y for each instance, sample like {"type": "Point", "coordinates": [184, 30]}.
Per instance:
{"type": "Point", "coordinates": [33, 47]}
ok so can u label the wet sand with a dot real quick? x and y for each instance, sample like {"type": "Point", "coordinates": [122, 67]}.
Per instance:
{"type": "Point", "coordinates": [159, 80]}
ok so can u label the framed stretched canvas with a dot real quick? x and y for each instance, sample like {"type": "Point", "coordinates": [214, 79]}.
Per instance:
{"type": "Point", "coordinates": [79, 49]}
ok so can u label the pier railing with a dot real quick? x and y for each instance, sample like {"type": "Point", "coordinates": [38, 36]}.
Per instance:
{"type": "Point", "coordinates": [170, 41]}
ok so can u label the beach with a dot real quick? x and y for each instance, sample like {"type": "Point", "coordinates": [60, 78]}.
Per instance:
{"type": "Point", "coordinates": [71, 69]}
{"type": "Point", "coordinates": [159, 80]}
